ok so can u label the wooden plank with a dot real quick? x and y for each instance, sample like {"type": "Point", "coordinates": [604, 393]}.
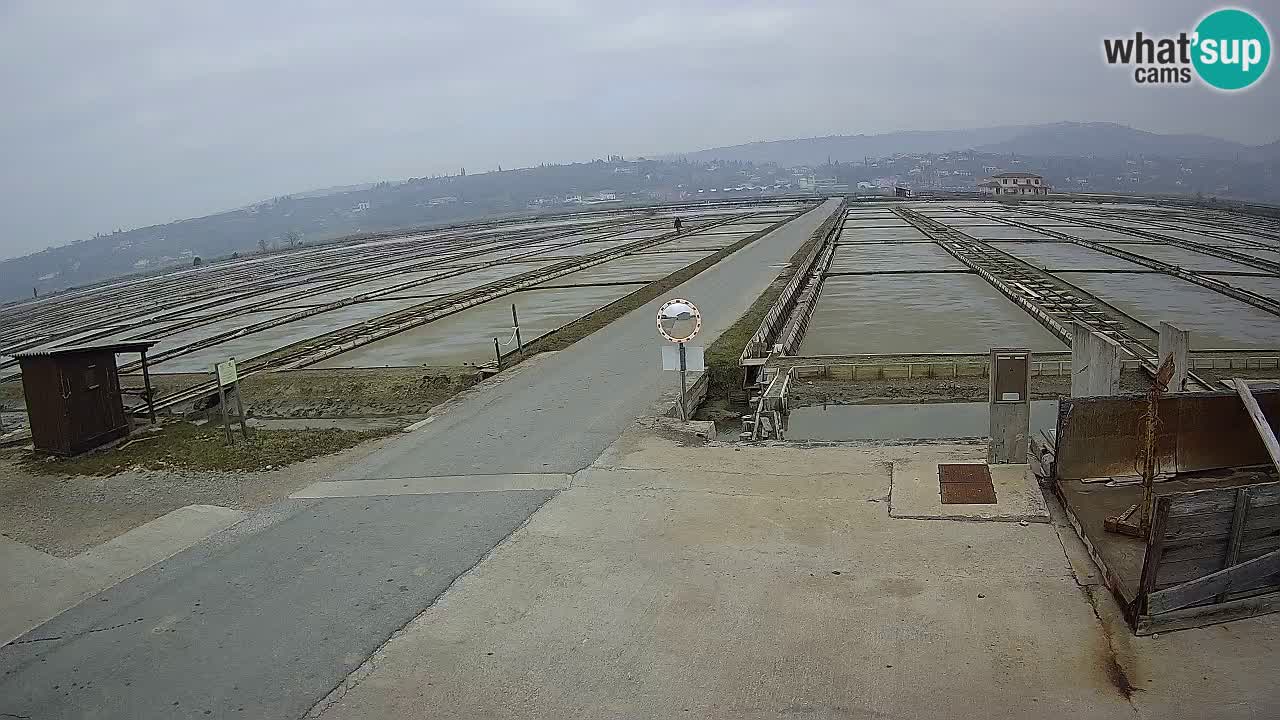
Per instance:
{"type": "Point", "coordinates": [1208, 614]}
{"type": "Point", "coordinates": [1237, 533]}
{"type": "Point", "coordinates": [1206, 587]}
{"type": "Point", "coordinates": [1155, 550]}
{"type": "Point", "coordinates": [1259, 421]}
{"type": "Point", "coordinates": [1222, 499]}
{"type": "Point", "coordinates": [1176, 572]}
{"type": "Point", "coordinates": [1217, 525]}
{"type": "Point", "coordinates": [1184, 550]}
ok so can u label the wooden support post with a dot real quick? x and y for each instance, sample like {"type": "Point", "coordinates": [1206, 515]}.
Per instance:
{"type": "Point", "coordinates": [1239, 516]}
{"type": "Point", "coordinates": [1259, 421]}
{"type": "Point", "coordinates": [222, 404]}
{"type": "Point", "coordinates": [497, 354]}
{"type": "Point", "coordinates": [244, 426]}
{"type": "Point", "coordinates": [1155, 551]}
{"type": "Point", "coordinates": [146, 382]}
{"type": "Point", "coordinates": [515, 322]}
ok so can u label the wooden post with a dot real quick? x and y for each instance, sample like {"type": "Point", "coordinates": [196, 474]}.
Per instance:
{"type": "Point", "coordinates": [1259, 420]}
{"type": "Point", "coordinates": [244, 427]}
{"type": "Point", "coordinates": [146, 382]}
{"type": "Point", "coordinates": [515, 322]}
{"type": "Point", "coordinates": [1239, 514]}
{"type": "Point", "coordinates": [222, 403]}
{"type": "Point", "coordinates": [497, 354]}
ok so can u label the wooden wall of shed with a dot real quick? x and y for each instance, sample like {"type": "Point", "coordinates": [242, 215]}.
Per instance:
{"type": "Point", "coordinates": [74, 401]}
{"type": "Point", "coordinates": [46, 410]}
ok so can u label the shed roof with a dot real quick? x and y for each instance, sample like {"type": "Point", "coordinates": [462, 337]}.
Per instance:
{"type": "Point", "coordinates": [119, 347]}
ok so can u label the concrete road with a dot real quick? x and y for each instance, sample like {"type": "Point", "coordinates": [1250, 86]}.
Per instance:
{"type": "Point", "coordinates": [560, 418]}
{"type": "Point", "coordinates": [265, 621]}
{"type": "Point", "coordinates": [267, 618]}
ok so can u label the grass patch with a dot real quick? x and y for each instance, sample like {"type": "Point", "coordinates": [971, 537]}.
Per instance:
{"type": "Point", "coordinates": [724, 374]}
{"type": "Point", "coordinates": [187, 447]}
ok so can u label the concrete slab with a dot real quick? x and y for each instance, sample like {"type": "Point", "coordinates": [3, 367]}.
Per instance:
{"type": "Point", "coordinates": [152, 542]}
{"type": "Point", "coordinates": [39, 586]}
{"type": "Point", "coordinates": [915, 493]}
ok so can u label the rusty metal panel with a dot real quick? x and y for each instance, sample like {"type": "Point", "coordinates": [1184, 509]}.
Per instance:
{"type": "Point", "coordinates": [1214, 431]}
{"type": "Point", "coordinates": [965, 484]}
{"type": "Point", "coordinates": [1103, 437]}
{"type": "Point", "coordinates": [964, 473]}
{"type": "Point", "coordinates": [968, 494]}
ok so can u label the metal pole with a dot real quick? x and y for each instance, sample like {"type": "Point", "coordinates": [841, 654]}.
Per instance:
{"type": "Point", "coordinates": [516, 322]}
{"type": "Point", "coordinates": [244, 428]}
{"type": "Point", "coordinates": [222, 403]}
{"type": "Point", "coordinates": [146, 382]}
{"type": "Point", "coordinates": [683, 414]}
{"type": "Point", "coordinates": [497, 353]}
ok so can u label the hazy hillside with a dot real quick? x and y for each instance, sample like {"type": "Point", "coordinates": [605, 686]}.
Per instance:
{"type": "Point", "coordinates": [1109, 140]}
{"type": "Point", "coordinates": [1079, 156]}
{"type": "Point", "coordinates": [854, 148]}
{"type": "Point", "coordinates": [325, 214]}
{"type": "Point", "coordinates": [1057, 139]}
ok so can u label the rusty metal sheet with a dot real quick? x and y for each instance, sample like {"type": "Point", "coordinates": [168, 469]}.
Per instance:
{"type": "Point", "coordinates": [1216, 432]}
{"type": "Point", "coordinates": [964, 473]}
{"type": "Point", "coordinates": [1103, 436]}
{"type": "Point", "coordinates": [965, 484]}
{"type": "Point", "coordinates": [968, 494]}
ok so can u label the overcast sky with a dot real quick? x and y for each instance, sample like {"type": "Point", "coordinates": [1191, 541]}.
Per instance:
{"type": "Point", "coordinates": [122, 114]}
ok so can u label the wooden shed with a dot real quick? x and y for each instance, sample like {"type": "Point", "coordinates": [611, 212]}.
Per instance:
{"type": "Point", "coordinates": [74, 399]}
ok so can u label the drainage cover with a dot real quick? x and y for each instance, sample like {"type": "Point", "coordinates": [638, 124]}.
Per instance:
{"type": "Point", "coordinates": [966, 484]}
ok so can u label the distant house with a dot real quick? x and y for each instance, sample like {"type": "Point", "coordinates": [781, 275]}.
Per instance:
{"type": "Point", "coordinates": [1014, 183]}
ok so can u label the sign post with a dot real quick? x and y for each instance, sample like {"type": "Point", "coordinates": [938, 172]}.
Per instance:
{"type": "Point", "coordinates": [228, 380]}
{"type": "Point", "coordinates": [679, 321]}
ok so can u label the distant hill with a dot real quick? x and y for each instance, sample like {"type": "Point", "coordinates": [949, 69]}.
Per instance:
{"type": "Point", "coordinates": [1109, 140]}
{"type": "Point", "coordinates": [854, 148]}
{"type": "Point", "coordinates": [1066, 139]}
{"type": "Point", "coordinates": [325, 214]}
{"type": "Point", "coordinates": [1268, 152]}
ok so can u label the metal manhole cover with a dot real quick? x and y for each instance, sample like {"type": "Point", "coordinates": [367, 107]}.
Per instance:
{"type": "Point", "coordinates": [968, 473]}
{"type": "Point", "coordinates": [966, 484]}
